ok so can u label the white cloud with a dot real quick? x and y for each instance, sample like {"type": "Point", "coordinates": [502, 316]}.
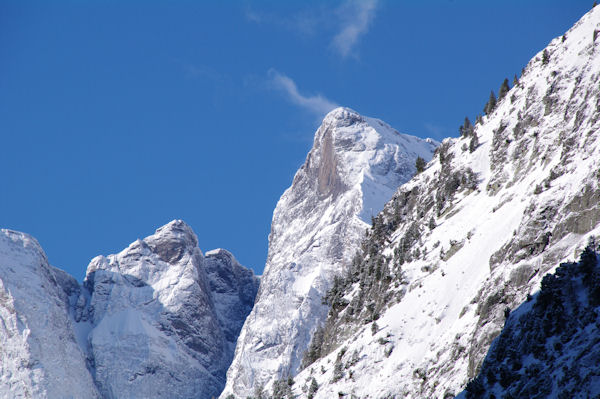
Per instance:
{"type": "Point", "coordinates": [343, 26]}
{"type": "Point", "coordinates": [355, 19]}
{"type": "Point", "coordinates": [305, 23]}
{"type": "Point", "coordinates": [316, 104]}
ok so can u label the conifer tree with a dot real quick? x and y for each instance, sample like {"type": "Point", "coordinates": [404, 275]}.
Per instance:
{"type": "Point", "coordinates": [420, 164]}
{"type": "Point", "coordinates": [474, 143]}
{"type": "Point", "coordinates": [431, 223]}
{"type": "Point", "coordinates": [545, 57]}
{"type": "Point", "coordinates": [504, 88]}
{"type": "Point", "coordinates": [314, 387]}
{"type": "Point", "coordinates": [467, 128]}
{"type": "Point", "coordinates": [515, 81]}
{"type": "Point", "coordinates": [491, 104]}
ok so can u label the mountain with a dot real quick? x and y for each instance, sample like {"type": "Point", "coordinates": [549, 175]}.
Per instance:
{"type": "Point", "coordinates": [39, 354]}
{"type": "Point", "coordinates": [354, 167]}
{"type": "Point", "coordinates": [470, 238]}
{"type": "Point", "coordinates": [548, 347]}
{"type": "Point", "coordinates": [157, 319]}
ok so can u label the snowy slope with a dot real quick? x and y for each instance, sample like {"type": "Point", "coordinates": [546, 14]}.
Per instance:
{"type": "Point", "coordinates": [354, 167]}
{"type": "Point", "coordinates": [157, 320]}
{"type": "Point", "coordinates": [39, 354]}
{"type": "Point", "coordinates": [155, 329]}
{"type": "Point", "coordinates": [488, 225]}
{"type": "Point", "coordinates": [548, 347]}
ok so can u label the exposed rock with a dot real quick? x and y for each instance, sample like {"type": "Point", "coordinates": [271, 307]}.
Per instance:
{"type": "Point", "coordinates": [354, 167]}
{"type": "Point", "coordinates": [39, 354]}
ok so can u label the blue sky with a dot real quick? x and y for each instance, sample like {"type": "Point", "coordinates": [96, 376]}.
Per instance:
{"type": "Point", "coordinates": [119, 116]}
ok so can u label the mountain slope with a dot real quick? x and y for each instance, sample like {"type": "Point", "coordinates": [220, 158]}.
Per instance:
{"type": "Point", "coordinates": [354, 167]}
{"type": "Point", "coordinates": [470, 237]}
{"type": "Point", "coordinates": [39, 354]}
{"type": "Point", "coordinates": [154, 327]}
{"type": "Point", "coordinates": [549, 345]}
{"type": "Point", "coordinates": [157, 320]}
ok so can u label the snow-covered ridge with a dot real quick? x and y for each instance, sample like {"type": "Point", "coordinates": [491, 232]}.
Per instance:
{"type": "Point", "coordinates": [354, 167]}
{"type": "Point", "coordinates": [39, 354]}
{"type": "Point", "coordinates": [157, 319]}
{"type": "Point", "coordinates": [473, 234]}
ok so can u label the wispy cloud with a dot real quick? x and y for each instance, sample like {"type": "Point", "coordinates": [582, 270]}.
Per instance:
{"type": "Point", "coordinates": [317, 104]}
{"type": "Point", "coordinates": [342, 26]}
{"type": "Point", "coordinates": [355, 19]}
{"type": "Point", "coordinates": [304, 23]}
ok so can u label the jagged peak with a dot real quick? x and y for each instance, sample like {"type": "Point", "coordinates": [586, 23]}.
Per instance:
{"type": "Point", "coordinates": [22, 239]}
{"type": "Point", "coordinates": [170, 241]}
{"type": "Point", "coordinates": [342, 116]}
{"type": "Point", "coordinates": [177, 229]}
{"type": "Point", "coordinates": [220, 253]}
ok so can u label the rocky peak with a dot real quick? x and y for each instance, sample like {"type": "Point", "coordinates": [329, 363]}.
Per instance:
{"type": "Point", "coordinates": [469, 239]}
{"type": "Point", "coordinates": [39, 354]}
{"type": "Point", "coordinates": [354, 167]}
{"type": "Point", "coordinates": [172, 240]}
{"type": "Point", "coordinates": [342, 117]}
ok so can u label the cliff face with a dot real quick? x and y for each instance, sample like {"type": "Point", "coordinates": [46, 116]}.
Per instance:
{"type": "Point", "coordinates": [158, 319]}
{"type": "Point", "coordinates": [471, 236]}
{"type": "Point", "coordinates": [354, 167]}
{"type": "Point", "coordinates": [39, 354]}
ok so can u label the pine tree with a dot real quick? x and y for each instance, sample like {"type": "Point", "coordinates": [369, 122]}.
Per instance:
{"type": "Point", "coordinates": [259, 392]}
{"type": "Point", "coordinates": [467, 128]}
{"type": "Point", "coordinates": [545, 57]}
{"type": "Point", "coordinates": [474, 143]}
{"type": "Point", "coordinates": [431, 223]}
{"type": "Point", "coordinates": [504, 88]}
{"type": "Point", "coordinates": [314, 387]}
{"type": "Point", "coordinates": [515, 81]}
{"type": "Point", "coordinates": [420, 164]}
{"type": "Point", "coordinates": [314, 349]}
{"type": "Point", "coordinates": [491, 104]}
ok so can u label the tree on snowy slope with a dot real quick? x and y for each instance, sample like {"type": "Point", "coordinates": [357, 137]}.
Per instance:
{"type": "Point", "coordinates": [491, 104]}
{"type": "Point", "coordinates": [504, 88]}
{"type": "Point", "coordinates": [549, 345]}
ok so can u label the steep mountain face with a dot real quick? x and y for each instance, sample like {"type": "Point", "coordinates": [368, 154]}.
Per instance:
{"type": "Point", "coordinates": [354, 167]}
{"type": "Point", "coordinates": [39, 354]}
{"type": "Point", "coordinates": [155, 327]}
{"type": "Point", "coordinates": [158, 319]}
{"type": "Point", "coordinates": [233, 289]}
{"type": "Point", "coordinates": [469, 238]}
{"type": "Point", "coordinates": [549, 345]}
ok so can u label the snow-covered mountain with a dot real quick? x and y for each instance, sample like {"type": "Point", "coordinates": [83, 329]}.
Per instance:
{"type": "Point", "coordinates": [455, 288]}
{"type": "Point", "coordinates": [548, 347]}
{"type": "Point", "coordinates": [469, 239]}
{"type": "Point", "coordinates": [39, 354]}
{"type": "Point", "coordinates": [159, 319]}
{"type": "Point", "coordinates": [355, 166]}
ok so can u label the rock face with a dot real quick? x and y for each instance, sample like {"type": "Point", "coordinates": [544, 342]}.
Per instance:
{"type": "Point", "coordinates": [471, 237]}
{"type": "Point", "coordinates": [548, 347]}
{"type": "Point", "coordinates": [39, 354]}
{"type": "Point", "coordinates": [354, 167]}
{"type": "Point", "coordinates": [158, 319]}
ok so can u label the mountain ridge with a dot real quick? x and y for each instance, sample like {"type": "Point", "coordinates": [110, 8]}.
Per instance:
{"type": "Point", "coordinates": [470, 236]}
{"type": "Point", "coordinates": [355, 165]}
{"type": "Point", "coordinates": [144, 322]}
